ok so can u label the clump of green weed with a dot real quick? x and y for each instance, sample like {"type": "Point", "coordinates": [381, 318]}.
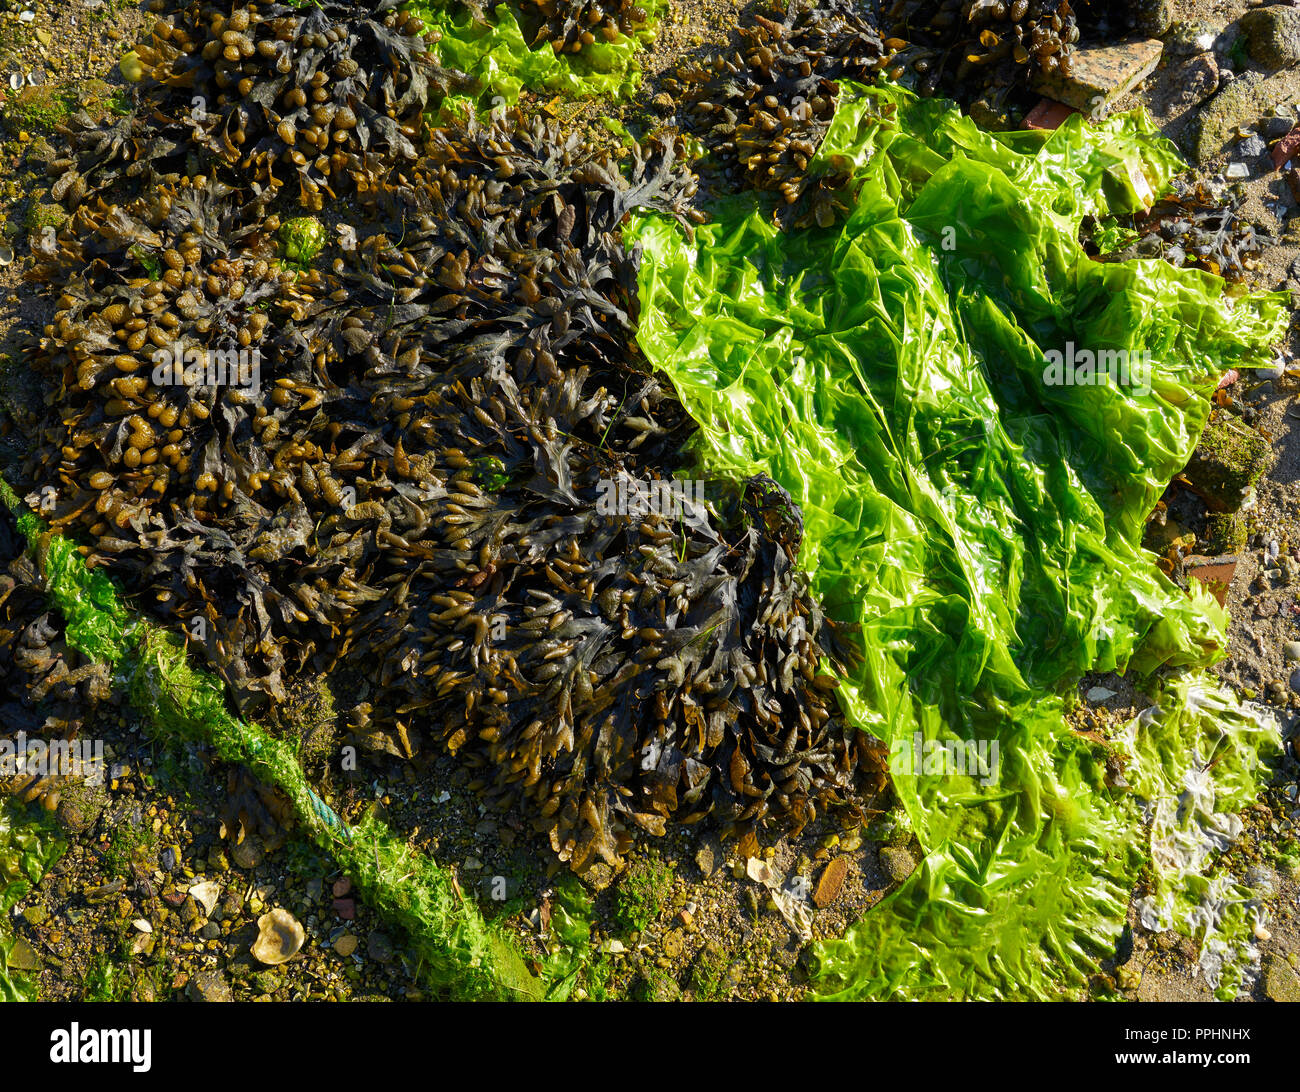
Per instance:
{"type": "Point", "coordinates": [642, 893]}
{"type": "Point", "coordinates": [709, 974]}
{"type": "Point", "coordinates": [38, 109]}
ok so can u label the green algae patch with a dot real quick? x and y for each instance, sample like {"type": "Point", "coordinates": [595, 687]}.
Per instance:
{"type": "Point", "coordinates": [301, 240]}
{"type": "Point", "coordinates": [29, 846]}
{"type": "Point", "coordinates": [1227, 462]}
{"type": "Point", "coordinates": [1225, 533]}
{"type": "Point", "coordinates": [641, 894]}
{"type": "Point", "coordinates": [495, 53]}
{"type": "Point", "coordinates": [976, 420]}
{"type": "Point", "coordinates": [39, 109]}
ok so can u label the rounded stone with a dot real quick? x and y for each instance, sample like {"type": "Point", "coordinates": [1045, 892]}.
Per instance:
{"type": "Point", "coordinates": [1273, 36]}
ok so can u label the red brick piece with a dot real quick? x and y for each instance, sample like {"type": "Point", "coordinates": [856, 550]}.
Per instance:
{"type": "Point", "coordinates": [1214, 572]}
{"type": "Point", "coordinates": [1285, 148]}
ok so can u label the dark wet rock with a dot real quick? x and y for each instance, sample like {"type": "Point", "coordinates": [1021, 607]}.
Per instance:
{"type": "Point", "coordinates": [209, 986]}
{"type": "Point", "coordinates": [1275, 128]}
{"type": "Point", "coordinates": [80, 806]}
{"type": "Point", "coordinates": [379, 948]}
{"type": "Point", "coordinates": [232, 905]}
{"type": "Point", "coordinates": [247, 854]}
{"type": "Point", "coordinates": [188, 911]}
{"type": "Point", "coordinates": [1252, 146]}
{"type": "Point", "coordinates": [1197, 81]}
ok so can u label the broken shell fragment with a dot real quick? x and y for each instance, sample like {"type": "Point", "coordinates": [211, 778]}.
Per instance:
{"type": "Point", "coordinates": [279, 938]}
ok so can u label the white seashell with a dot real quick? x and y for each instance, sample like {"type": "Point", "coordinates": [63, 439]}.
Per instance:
{"type": "Point", "coordinates": [279, 939]}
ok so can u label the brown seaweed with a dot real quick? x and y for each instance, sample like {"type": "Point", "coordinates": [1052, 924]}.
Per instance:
{"type": "Point", "coordinates": [764, 107]}
{"type": "Point", "coordinates": [412, 484]}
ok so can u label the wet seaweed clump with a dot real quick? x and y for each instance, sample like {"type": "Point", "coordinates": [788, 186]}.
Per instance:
{"type": "Point", "coordinates": [49, 693]}
{"type": "Point", "coordinates": [597, 657]}
{"type": "Point", "coordinates": [989, 54]}
{"type": "Point", "coordinates": [155, 359]}
{"type": "Point", "coordinates": [982, 50]}
{"type": "Point", "coordinates": [764, 108]}
{"type": "Point", "coordinates": [216, 411]}
{"type": "Point", "coordinates": [572, 25]}
{"type": "Point", "coordinates": [1198, 225]}
{"type": "Point", "coordinates": [612, 670]}
{"type": "Point", "coordinates": [423, 450]}
{"type": "Point", "coordinates": [327, 96]}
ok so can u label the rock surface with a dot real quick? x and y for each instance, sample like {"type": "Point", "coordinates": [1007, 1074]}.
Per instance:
{"type": "Point", "coordinates": [209, 986]}
{"type": "Point", "coordinates": [1238, 105]}
{"type": "Point", "coordinates": [897, 863]}
{"type": "Point", "coordinates": [1200, 79]}
{"type": "Point", "coordinates": [1280, 982]}
{"type": "Point", "coordinates": [1273, 36]}
{"type": "Point", "coordinates": [1100, 74]}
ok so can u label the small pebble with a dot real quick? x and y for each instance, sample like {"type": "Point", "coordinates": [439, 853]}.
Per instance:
{"type": "Point", "coordinates": [379, 948]}
{"type": "Point", "coordinates": [1252, 146]}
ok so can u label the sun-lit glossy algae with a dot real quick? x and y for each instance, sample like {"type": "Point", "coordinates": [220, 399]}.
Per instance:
{"type": "Point", "coordinates": [980, 525]}
{"type": "Point", "coordinates": [28, 847]}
